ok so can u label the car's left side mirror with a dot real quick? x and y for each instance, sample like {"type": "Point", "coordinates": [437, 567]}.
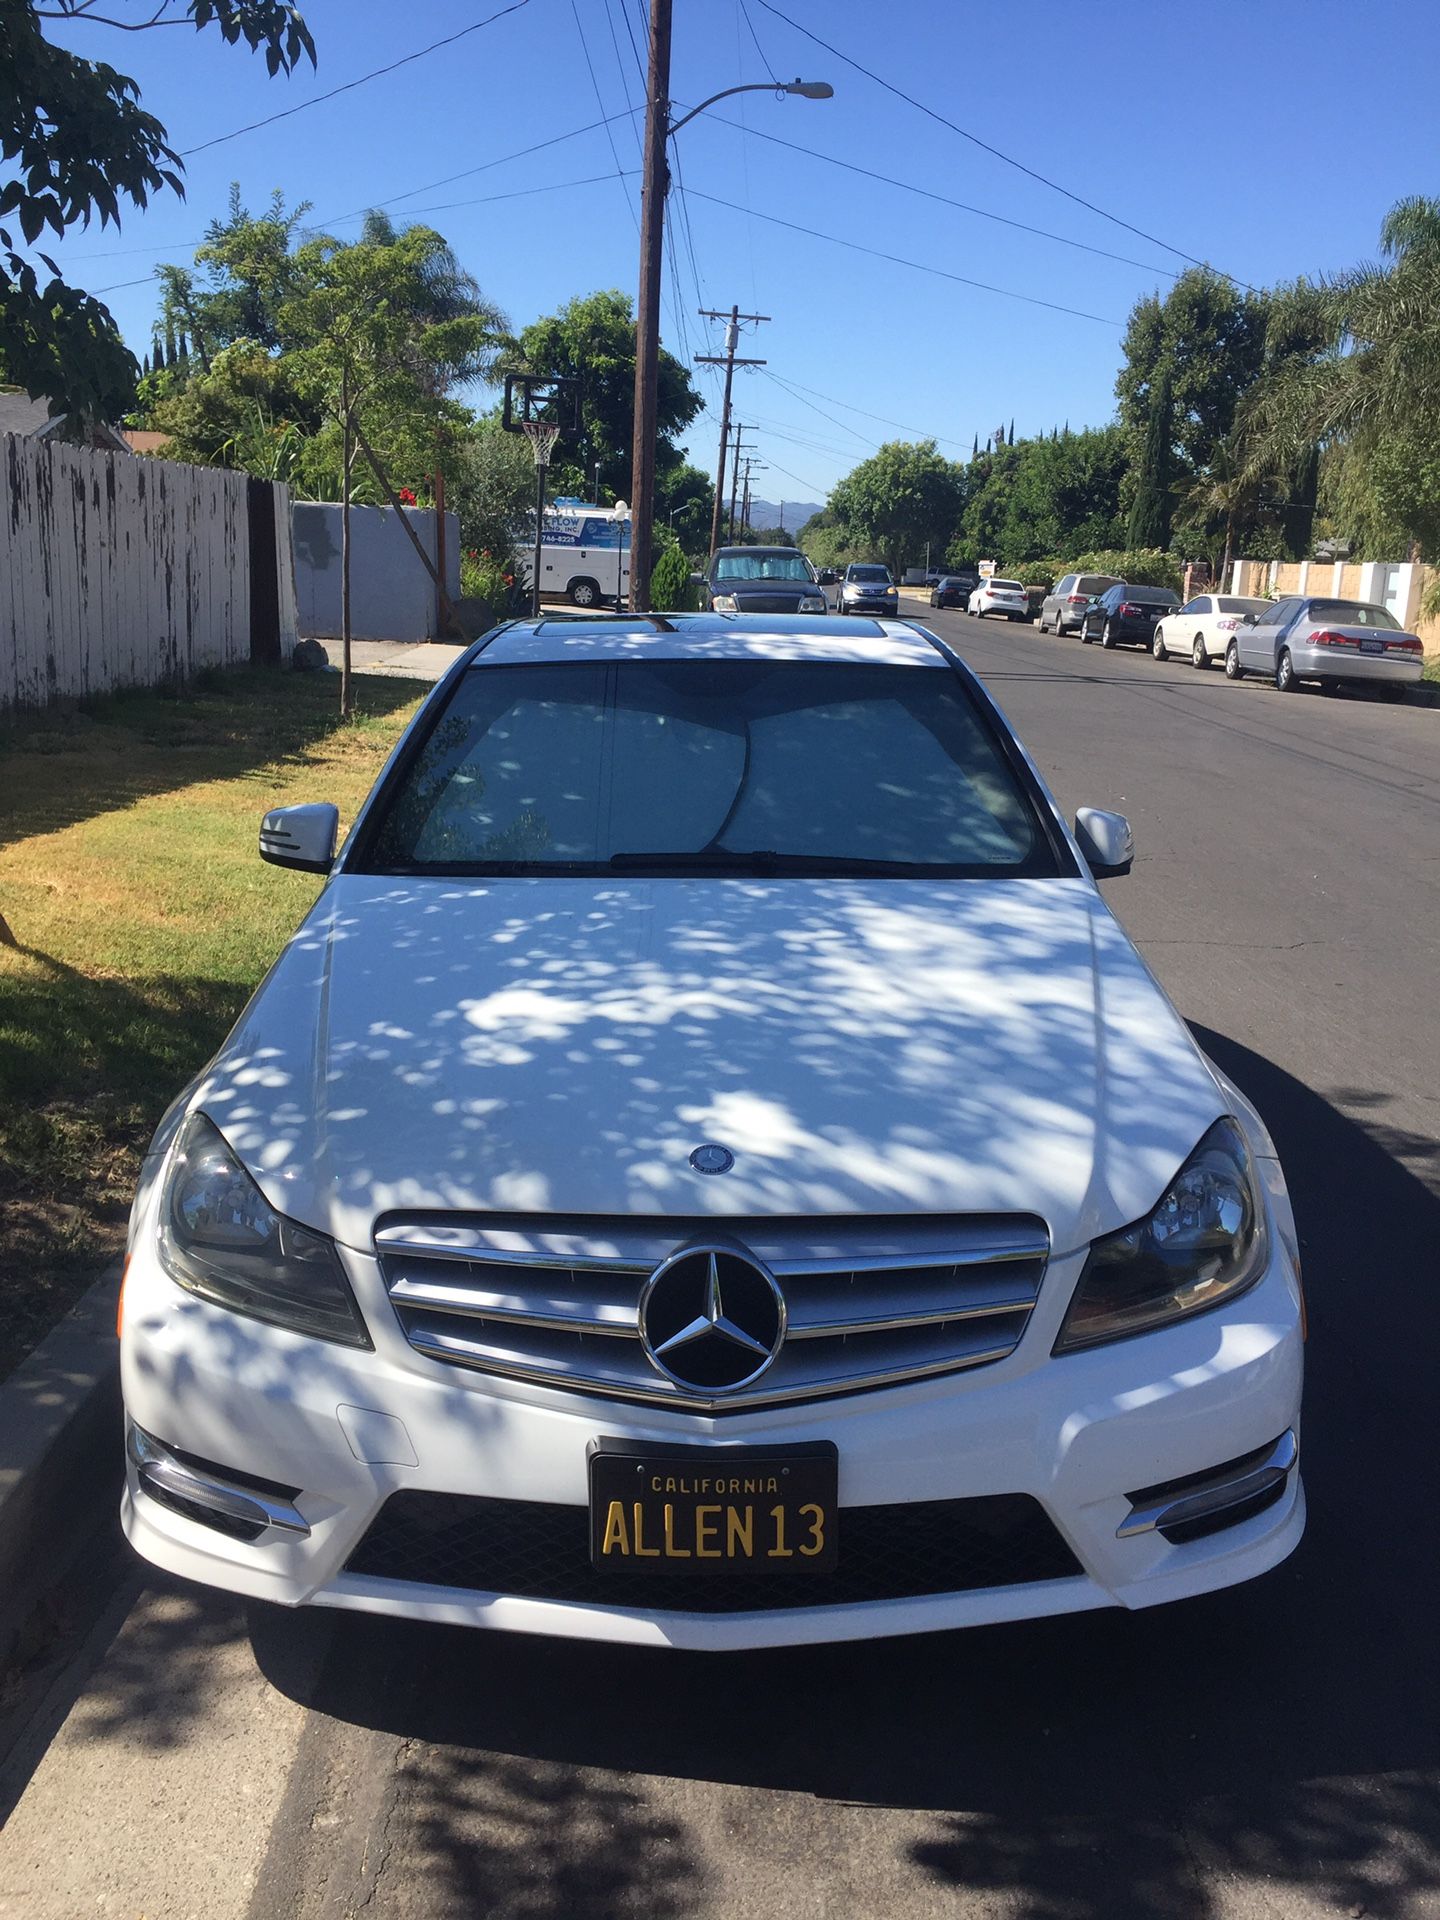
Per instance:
{"type": "Point", "coordinates": [301, 837]}
{"type": "Point", "coordinates": [1106, 842]}
{"type": "Point", "coordinates": [699, 580]}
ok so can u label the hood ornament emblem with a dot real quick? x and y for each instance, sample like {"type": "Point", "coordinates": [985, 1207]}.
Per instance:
{"type": "Point", "coordinates": [712, 1158]}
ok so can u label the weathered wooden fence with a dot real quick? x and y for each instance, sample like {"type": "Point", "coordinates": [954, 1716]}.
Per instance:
{"type": "Point", "coordinates": [119, 571]}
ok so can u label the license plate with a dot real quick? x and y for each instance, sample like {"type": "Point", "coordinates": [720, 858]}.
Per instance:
{"type": "Point", "coordinates": [714, 1509]}
{"type": "Point", "coordinates": [1372, 646]}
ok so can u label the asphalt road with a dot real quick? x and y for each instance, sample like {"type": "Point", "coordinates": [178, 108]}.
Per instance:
{"type": "Point", "coordinates": [1274, 1751]}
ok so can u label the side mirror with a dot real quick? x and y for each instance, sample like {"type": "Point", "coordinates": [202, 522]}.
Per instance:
{"type": "Point", "coordinates": [699, 580]}
{"type": "Point", "coordinates": [828, 576]}
{"type": "Point", "coordinates": [1106, 841]}
{"type": "Point", "coordinates": [301, 837]}
{"type": "Point", "coordinates": [1248, 619]}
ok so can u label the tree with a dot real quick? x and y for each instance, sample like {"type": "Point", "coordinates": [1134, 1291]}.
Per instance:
{"type": "Point", "coordinates": [903, 496]}
{"type": "Point", "coordinates": [362, 347]}
{"type": "Point", "coordinates": [75, 142]}
{"type": "Point", "coordinates": [1149, 523]}
{"type": "Point", "coordinates": [591, 340]}
{"type": "Point", "coordinates": [1207, 338]}
{"type": "Point", "coordinates": [1370, 390]}
{"type": "Point", "coordinates": [1043, 497]}
{"type": "Point", "coordinates": [684, 501]}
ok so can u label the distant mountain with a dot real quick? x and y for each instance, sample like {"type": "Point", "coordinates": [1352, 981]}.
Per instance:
{"type": "Point", "coordinates": [766, 513]}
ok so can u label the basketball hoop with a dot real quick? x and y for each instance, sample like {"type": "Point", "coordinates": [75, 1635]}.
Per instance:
{"type": "Point", "coordinates": [542, 435]}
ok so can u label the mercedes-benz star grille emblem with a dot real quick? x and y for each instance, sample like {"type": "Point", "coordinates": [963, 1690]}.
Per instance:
{"type": "Point", "coordinates": [711, 1319]}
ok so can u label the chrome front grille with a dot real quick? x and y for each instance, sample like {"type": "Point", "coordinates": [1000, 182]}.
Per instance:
{"type": "Point", "coordinates": [870, 1302]}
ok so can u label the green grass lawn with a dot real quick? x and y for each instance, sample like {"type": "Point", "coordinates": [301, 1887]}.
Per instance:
{"type": "Point", "coordinates": [143, 917]}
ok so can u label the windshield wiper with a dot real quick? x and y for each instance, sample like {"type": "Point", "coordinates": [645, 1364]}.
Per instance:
{"type": "Point", "coordinates": [763, 861]}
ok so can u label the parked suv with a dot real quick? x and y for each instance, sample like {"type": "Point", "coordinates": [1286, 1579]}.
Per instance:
{"type": "Point", "coordinates": [1124, 614]}
{"type": "Point", "coordinates": [762, 580]}
{"type": "Point", "coordinates": [1062, 607]}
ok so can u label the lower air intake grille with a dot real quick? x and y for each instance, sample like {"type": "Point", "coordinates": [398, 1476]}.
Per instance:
{"type": "Point", "coordinates": [542, 1552]}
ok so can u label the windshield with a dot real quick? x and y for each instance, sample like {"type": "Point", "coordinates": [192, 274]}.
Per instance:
{"type": "Point", "coordinates": [763, 566]}
{"type": "Point", "coordinates": [1151, 596]}
{"type": "Point", "coordinates": [1006, 586]}
{"type": "Point", "coordinates": [871, 573]}
{"type": "Point", "coordinates": [1229, 604]}
{"type": "Point", "coordinates": [756, 767]}
{"type": "Point", "coordinates": [1095, 583]}
{"type": "Point", "coordinates": [1354, 613]}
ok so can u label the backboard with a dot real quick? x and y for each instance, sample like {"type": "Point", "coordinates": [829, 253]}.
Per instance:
{"type": "Point", "coordinates": [533, 399]}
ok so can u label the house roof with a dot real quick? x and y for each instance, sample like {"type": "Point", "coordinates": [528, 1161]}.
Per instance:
{"type": "Point", "coordinates": [32, 419]}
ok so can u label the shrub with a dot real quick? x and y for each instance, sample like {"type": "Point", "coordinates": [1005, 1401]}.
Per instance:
{"type": "Point", "coordinates": [494, 580]}
{"type": "Point", "coordinates": [1145, 567]}
{"type": "Point", "coordinates": [670, 588]}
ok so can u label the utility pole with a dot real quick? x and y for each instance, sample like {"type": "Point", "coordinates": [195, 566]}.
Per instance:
{"type": "Point", "coordinates": [729, 362]}
{"type": "Point", "coordinates": [751, 466]}
{"type": "Point", "coordinates": [740, 433]}
{"type": "Point", "coordinates": [647, 319]}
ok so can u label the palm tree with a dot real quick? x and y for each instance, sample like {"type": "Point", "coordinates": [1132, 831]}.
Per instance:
{"type": "Point", "coordinates": [1374, 372]}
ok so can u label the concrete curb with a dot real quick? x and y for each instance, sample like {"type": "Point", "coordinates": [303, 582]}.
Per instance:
{"type": "Point", "coordinates": [59, 1439]}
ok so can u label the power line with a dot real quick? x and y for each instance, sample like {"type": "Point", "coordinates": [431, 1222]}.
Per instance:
{"type": "Point", "coordinates": [795, 386]}
{"type": "Point", "coordinates": [410, 193]}
{"type": "Point", "coordinates": [614, 151]}
{"type": "Point", "coordinates": [350, 85]}
{"type": "Point", "coordinates": [756, 38]}
{"type": "Point", "coordinates": [896, 260]}
{"type": "Point", "coordinates": [985, 146]}
{"type": "Point", "coordinates": [909, 186]}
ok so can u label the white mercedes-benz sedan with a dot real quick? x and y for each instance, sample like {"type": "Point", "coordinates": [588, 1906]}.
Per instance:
{"type": "Point", "coordinates": [710, 1170]}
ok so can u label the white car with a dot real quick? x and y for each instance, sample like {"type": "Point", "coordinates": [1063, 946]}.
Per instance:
{"type": "Point", "coordinates": [1201, 629]}
{"type": "Point", "coordinates": [1000, 596]}
{"type": "Point", "coordinates": [710, 1171]}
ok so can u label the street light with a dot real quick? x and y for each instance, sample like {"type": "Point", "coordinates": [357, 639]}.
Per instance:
{"type": "Point", "coordinates": [658, 129]}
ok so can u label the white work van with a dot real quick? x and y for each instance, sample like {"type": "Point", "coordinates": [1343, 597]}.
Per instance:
{"type": "Point", "coordinates": [584, 553]}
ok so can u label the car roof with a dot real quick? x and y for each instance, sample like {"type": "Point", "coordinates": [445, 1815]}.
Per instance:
{"type": "Point", "coordinates": [709, 636]}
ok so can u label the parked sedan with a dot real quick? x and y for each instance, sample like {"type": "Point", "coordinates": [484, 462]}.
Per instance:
{"type": "Point", "coordinates": [1062, 608]}
{"type": "Point", "coordinates": [1202, 627]}
{"type": "Point", "coordinates": [711, 1171]}
{"type": "Point", "coordinates": [952, 590]}
{"type": "Point", "coordinates": [1124, 615]}
{"type": "Point", "coordinates": [1000, 596]}
{"type": "Point", "coordinates": [1329, 641]}
{"type": "Point", "coordinates": [867, 588]}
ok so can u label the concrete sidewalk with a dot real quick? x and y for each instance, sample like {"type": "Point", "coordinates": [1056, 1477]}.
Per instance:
{"type": "Point", "coordinates": [405, 659]}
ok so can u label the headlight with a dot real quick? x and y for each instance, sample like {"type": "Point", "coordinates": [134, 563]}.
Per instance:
{"type": "Point", "coordinates": [1204, 1243]}
{"type": "Point", "coordinates": [221, 1239]}
{"type": "Point", "coordinates": [722, 603]}
{"type": "Point", "coordinates": [813, 605]}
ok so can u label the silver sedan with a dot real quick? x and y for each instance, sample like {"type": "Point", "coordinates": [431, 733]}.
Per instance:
{"type": "Point", "coordinates": [1326, 640]}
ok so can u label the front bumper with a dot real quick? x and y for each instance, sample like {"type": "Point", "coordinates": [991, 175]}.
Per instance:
{"type": "Point", "coordinates": [1335, 663]}
{"type": "Point", "coordinates": [871, 602]}
{"type": "Point", "coordinates": [338, 1432]}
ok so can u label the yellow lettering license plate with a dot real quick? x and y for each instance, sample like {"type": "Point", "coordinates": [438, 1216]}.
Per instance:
{"type": "Point", "coordinates": [714, 1509]}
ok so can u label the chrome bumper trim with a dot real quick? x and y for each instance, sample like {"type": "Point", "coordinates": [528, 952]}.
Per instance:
{"type": "Point", "coordinates": [1226, 1488]}
{"type": "Point", "coordinates": [159, 1470]}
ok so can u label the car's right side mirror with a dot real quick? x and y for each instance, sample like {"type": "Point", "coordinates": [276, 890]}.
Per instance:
{"type": "Point", "coordinates": [301, 837]}
{"type": "Point", "coordinates": [1106, 842]}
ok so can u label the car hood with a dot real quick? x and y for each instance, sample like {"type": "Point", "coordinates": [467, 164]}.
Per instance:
{"type": "Point", "coordinates": [562, 1046]}
{"type": "Point", "coordinates": [787, 593]}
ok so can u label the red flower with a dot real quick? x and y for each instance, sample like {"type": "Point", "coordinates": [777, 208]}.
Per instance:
{"type": "Point", "coordinates": [405, 497]}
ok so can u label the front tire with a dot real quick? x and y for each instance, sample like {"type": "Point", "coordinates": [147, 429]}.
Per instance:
{"type": "Point", "coordinates": [1285, 681]}
{"type": "Point", "coordinates": [1233, 668]}
{"type": "Point", "coordinates": [1199, 658]}
{"type": "Point", "coordinates": [1157, 646]}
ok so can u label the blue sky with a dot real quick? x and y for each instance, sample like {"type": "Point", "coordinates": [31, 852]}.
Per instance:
{"type": "Point", "coordinates": [1267, 136]}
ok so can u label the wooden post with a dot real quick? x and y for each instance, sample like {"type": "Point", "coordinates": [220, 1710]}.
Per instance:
{"type": "Point", "coordinates": [442, 623]}
{"type": "Point", "coordinates": [349, 455]}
